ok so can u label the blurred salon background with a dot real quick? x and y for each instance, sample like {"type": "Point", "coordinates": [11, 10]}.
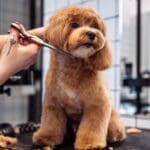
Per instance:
{"type": "Point", "coordinates": [127, 22]}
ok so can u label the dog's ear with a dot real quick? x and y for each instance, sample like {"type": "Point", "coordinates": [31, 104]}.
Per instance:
{"type": "Point", "coordinates": [54, 33]}
{"type": "Point", "coordinates": [103, 58]}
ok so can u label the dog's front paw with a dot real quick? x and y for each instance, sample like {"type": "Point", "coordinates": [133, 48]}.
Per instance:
{"type": "Point", "coordinates": [116, 133]}
{"type": "Point", "coordinates": [41, 139]}
{"type": "Point", "coordinates": [89, 142]}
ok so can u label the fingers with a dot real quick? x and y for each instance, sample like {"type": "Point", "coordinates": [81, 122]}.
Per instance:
{"type": "Point", "coordinates": [23, 41]}
{"type": "Point", "coordinates": [14, 33]}
{"type": "Point", "coordinates": [38, 32]}
{"type": "Point", "coordinates": [12, 40]}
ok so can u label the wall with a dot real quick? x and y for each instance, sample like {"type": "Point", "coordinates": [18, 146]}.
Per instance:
{"type": "Point", "coordinates": [11, 11]}
{"type": "Point", "coordinates": [128, 50]}
{"type": "Point", "coordinates": [110, 12]}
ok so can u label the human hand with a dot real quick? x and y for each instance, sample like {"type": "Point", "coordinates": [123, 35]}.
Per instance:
{"type": "Point", "coordinates": [38, 32]}
{"type": "Point", "coordinates": [22, 55]}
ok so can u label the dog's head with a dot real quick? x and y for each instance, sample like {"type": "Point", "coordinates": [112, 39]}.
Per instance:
{"type": "Point", "coordinates": [77, 30]}
{"type": "Point", "coordinates": [81, 32]}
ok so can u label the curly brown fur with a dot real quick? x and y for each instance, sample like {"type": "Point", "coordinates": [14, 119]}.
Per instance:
{"type": "Point", "coordinates": [6, 140]}
{"type": "Point", "coordinates": [75, 86]}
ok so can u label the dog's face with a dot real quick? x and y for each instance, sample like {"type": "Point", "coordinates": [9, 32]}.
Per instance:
{"type": "Point", "coordinates": [79, 31]}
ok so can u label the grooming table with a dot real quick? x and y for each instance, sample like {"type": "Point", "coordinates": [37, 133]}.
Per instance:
{"type": "Point", "coordinates": [139, 141]}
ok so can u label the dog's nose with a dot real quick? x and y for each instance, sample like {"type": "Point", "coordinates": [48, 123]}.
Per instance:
{"type": "Point", "coordinates": [91, 35]}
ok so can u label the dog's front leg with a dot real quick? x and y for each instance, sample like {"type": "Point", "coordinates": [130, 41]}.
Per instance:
{"type": "Point", "coordinates": [53, 125]}
{"type": "Point", "coordinates": [116, 129]}
{"type": "Point", "coordinates": [93, 128]}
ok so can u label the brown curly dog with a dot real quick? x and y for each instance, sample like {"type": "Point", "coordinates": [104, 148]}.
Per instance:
{"type": "Point", "coordinates": [75, 86]}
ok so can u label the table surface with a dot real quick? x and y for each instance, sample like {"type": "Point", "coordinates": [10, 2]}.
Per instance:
{"type": "Point", "coordinates": [139, 141]}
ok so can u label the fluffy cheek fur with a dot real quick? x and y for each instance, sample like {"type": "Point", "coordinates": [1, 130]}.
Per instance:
{"type": "Point", "coordinates": [75, 43]}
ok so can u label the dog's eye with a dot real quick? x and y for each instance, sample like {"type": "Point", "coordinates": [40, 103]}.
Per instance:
{"type": "Point", "coordinates": [74, 25]}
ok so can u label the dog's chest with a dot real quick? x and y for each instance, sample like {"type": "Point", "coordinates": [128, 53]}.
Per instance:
{"type": "Point", "coordinates": [69, 99]}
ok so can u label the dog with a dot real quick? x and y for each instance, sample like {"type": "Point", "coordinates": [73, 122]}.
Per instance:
{"type": "Point", "coordinates": [75, 87]}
